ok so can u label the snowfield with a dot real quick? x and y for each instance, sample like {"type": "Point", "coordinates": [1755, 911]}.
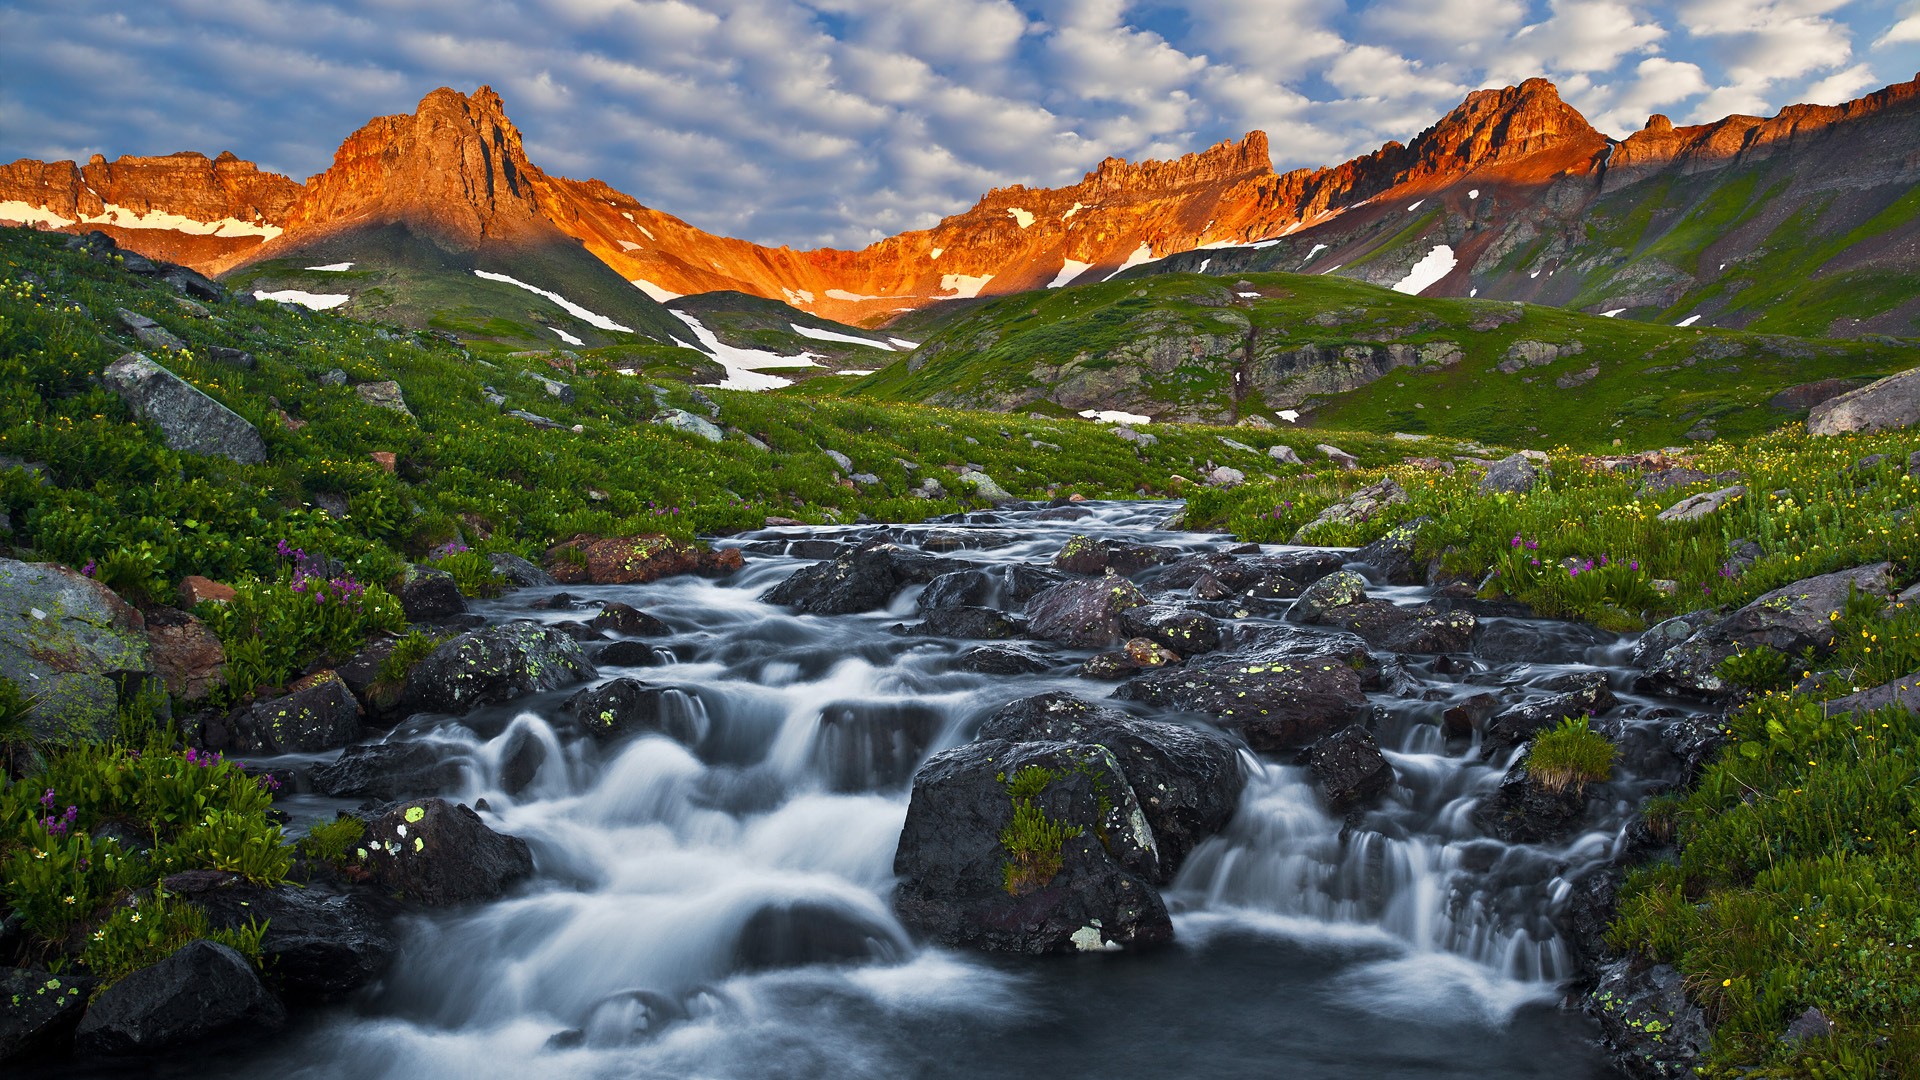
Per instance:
{"type": "Point", "coordinates": [743, 365]}
{"type": "Point", "coordinates": [1438, 264]}
{"type": "Point", "coordinates": [571, 308]}
{"type": "Point", "coordinates": [316, 301]}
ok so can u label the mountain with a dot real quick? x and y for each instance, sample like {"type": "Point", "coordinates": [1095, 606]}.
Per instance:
{"type": "Point", "coordinates": [1801, 223]}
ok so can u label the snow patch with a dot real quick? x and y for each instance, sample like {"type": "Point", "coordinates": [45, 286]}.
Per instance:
{"type": "Point", "coordinates": [1415, 206]}
{"type": "Point", "coordinates": [1611, 314]}
{"type": "Point", "coordinates": [743, 365]}
{"type": "Point", "coordinates": [796, 297]}
{"type": "Point", "coordinates": [1269, 243]}
{"type": "Point", "coordinates": [570, 307]}
{"type": "Point", "coordinates": [1243, 295]}
{"type": "Point", "coordinates": [1474, 194]}
{"type": "Point", "coordinates": [1141, 255]}
{"type": "Point", "coordinates": [566, 337]}
{"type": "Point", "coordinates": [1289, 415]}
{"type": "Point", "coordinates": [1317, 249]}
{"type": "Point", "coordinates": [1472, 293]}
{"type": "Point", "coordinates": [316, 301]}
{"type": "Point", "coordinates": [1072, 269]}
{"type": "Point", "coordinates": [936, 253]}
{"type": "Point", "coordinates": [1203, 265]}
{"type": "Point", "coordinates": [644, 231]}
{"type": "Point", "coordinates": [628, 245]}
{"type": "Point", "coordinates": [1024, 217]}
{"type": "Point", "coordinates": [1077, 207]}
{"type": "Point", "coordinates": [963, 286]}
{"type": "Point", "coordinates": [659, 294]}
{"type": "Point", "coordinates": [854, 371]}
{"type": "Point", "coordinates": [1688, 321]}
{"type": "Point", "coordinates": [333, 268]}
{"type": "Point", "coordinates": [1115, 416]}
{"type": "Point", "coordinates": [829, 335]}
{"type": "Point", "coordinates": [903, 342]}
{"type": "Point", "coordinates": [1438, 264]}
{"type": "Point", "coordinates": [1331, 269]}
{"type": "Point", "coordinates": [28, 214]}
{"type": "Point", "coordinates": [842, 294]}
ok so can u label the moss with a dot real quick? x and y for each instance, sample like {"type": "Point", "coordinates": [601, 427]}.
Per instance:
{"type": "Point", "coordinates": [1034, 843]}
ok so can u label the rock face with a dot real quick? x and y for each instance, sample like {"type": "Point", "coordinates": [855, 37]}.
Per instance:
{"type": "Point", "coordinates": [203, 989]}
{"type": "Point", "coordinates": [1275, 705]}
{"type": "Point", "coordinates": [320, 942]}
{"type": "Point", "coordinates": [1089, 888]}
{"type": "Point", "coordinates": [186, 655]}
{"type": "Point", "coordinates": [1646, 1019]}
{"type": "Point", "coordinates": [1892, 402]}
{"type": "Point", "coordinates": [635, 560]}
{"type": "Point", "coordinates": [627, 707]}
{"type": "Point", "coordinates": [1788, 620]}
{"type": "Point", "coordinates": [428, 594]}
{"type": "Point", "coordinates": [320, 716]}
{"type": "Point", "coordinates": [189, 421]}
{"type": "Point", "coordinates": [38, 1012]}
{"type": "Point", "coordinates": [387, 771]}
{"type": "Point", "coordinates": [1084, 614]}
{"type": "Point", "coordinates": [858, 580]}
{"type": "Point", "coordinates": [495, 664]}
{"type": "Point", "coordinates": [518, 572]}
{"type": "Point", "coordinates": [441, 853]}
{"type": "Point", "coordinates": [1349, 767]}
{"type": "Point", "coordinates": [71, 642]}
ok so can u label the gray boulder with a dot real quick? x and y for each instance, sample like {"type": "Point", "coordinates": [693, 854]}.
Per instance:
{"type": "Point", "coordinates": [1514, 473]}
{"type": "Point", "coordinates": [1903, 692]}
{"type": "Point", "coordinates": [72, 644]}
{"type": "Point", "coordinates": [518, 572]}
{"type": "Point", "coordinates": [149, 333]}
{"type": "Point", "coordinates": [428, 593]}
{"type": "Point", "coordinates": [682, 420]}
{"type": "Point", "coordinates": [1695, 507]}
{"type": "Point", "coordinates": [1284, 455]}
{"type": "Point", "coordinates": [624, 707]}
{"type": "Point", "coordinates": [321, 941]}
{"type": "Point", "coordinates": [495, 664]}
{"type": "Point", "coordinates": [1276, 705]}
{"type": "Point", "coordinates": [1892, 402]}
{"type": "Point", "coordinates": [1084, 614]}
{"type": "Point", "coordinates": [1363, 505]}
{"type": "Point", "coordinates": [1339, 589]}
{"type": "Point", "coordinates": [203, 989]}
{"type": "Point", "coordinates": [383, 395]}
{"type": "Point", "coordinates": [189, 421]}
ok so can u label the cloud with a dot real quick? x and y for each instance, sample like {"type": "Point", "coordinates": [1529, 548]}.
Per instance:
{"type": "Point", "coordinates": [1657, 83]}
{"type": "Point", "coordinates": [1840, 86]}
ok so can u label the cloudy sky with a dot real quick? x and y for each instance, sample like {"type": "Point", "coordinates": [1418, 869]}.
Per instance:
{"type": "Point", "coordinates": [813, 122]}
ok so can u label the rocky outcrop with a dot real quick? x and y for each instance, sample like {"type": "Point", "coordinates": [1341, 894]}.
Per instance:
{"type": "Point", "coordinates": [189, 420]}
{"type": "Point", "coordinates": [388, 771]}
{"type": "Point", "coordinates": [322, 715]}
{"type": "Point", "coordinates": [441, 853]}
{"type": "Point", "coordinates": [1084, 614]}
{"type": "Point", "coordinates": [1646, 1019]}
{"type": "Point", "coordinates": [858, 580]}
{"type": "Point", "coordinates": [1350, 768]}
{"type": "Point", "coordinates": [1892, 402]}
{"type": "Point", "coordinates": [203, 989]}
{"type": "Point", "coordinates": [71, 644]}
{"type": "Point", "coordinates": [635, 560]}
{"type": "Point", "coordinates": [495, 664]}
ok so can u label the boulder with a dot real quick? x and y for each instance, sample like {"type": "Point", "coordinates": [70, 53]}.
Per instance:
{"type": "Point", "coordinates": [1284, 455]}
{"type": "Point", "coordinates": [495, 664]}
{"type": "Point", "coordinates": [1084, 614]}
{"type": "Point", "coordinates": [1346, 461]}
{"type": "Point", "coordinates": [195, 589]}
{"type": "Point", "coordinates": [635, 560]}
{"type": "Point", "coordinates": [1695, 507]}
{"type": "Point", "coordinates": [1274, 705]}
{"type": "Point", "coordinates": [1892, 402]}
{"type": "Point", "coordinates": [1224, 477]}
{"type": "Point", "coordinates": [319, 716]}
{"type": "Point", "coordinates": [148, 332]}
{"type": "Point", "coordinates": [1664, 635]}
{"type": "Point", "coordinates": [73, 645]}
{"type": "Point", "coordinates": [321, 942]}
{"type": "Point", "coordinates": [1007, 660]}
{"type": "Point", "coordinates": [623, 707]}
{"type": "Point", "coordinates": [189, 421]}
{"type": "Point", "coordinates": [437, 853]}
{"type": "Point", "coordinates": [985, 487]}
{"type": "Point", "coordinates": [858, 580]}
{"type": "Point", "coordinates": [1349, 767]}
{"type": "Point", "coordinates": [962, 886]}
{"type": "Point", "coordinates": [960, 588]}
{"type": "Point", "coordinates": [518, 572]}
{"type": "Point", "coordinates": [234, 358]}
{"type": "Point", "coordinates": [202, 989]}
{"type": "Point", "coordinates": [383, 395]}
{"type": "Point", "coordinates": [626, 619]}
{"type": "Point", "coordinates": [185, 654]}
{"type": "Point", "coordinates": [1086, 555]}
{"type": "Point", "coordinates": [1654, 1031]}
{"type": "Point", "coordinates": [681, 420]}
{"type": "Point", "coordinates": [1525, 811]}
{"type": "Point", "coordinates": [1337, 590]}
{"type": "Point", "coordinates": [1535, 641]}
{"type": "Point", "coordinates": [1514, 474]}
{"type": "Point", "coordinates": [428, 594]}
{"type": "Point", "coordinates": [1277, 576]}
{"type": "Point", "coordinates": [38, 1012]}
{"type": "Point", "coordinates": [1789, 620]}
{"type": "Point", "coordinates": [1187, 781]}
{"type": "Point", "coordinates": [1024, 582]}
{"type": "Point", "coordinates": [1187, 633]}
{"type": "Point", "coordinates": [969, 622]}
{"type": "Point", "coordinates": [1590, 696]}
{"type": "Point", "coordinates": [1423, 631]}
{"type": "Point", "coordinates": [1807, 395]}
{"type": "Point", "coordinates": [193, 283]}
{"type": "Point", "coordinates": [385, 772]}
{"type": "Point", "coordinates": [1363, 505]}
{"type": "Point", "coordinates": [1903, 693]}
{"type": "Point", "coordinates": [1392, 556]}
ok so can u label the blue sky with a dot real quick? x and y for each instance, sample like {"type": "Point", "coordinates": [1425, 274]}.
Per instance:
{"type": "Point", "coordinates": [812, 122]}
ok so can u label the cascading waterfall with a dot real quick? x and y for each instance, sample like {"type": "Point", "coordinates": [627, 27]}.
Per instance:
{"type": "Point", "coordinates": [717, 904]}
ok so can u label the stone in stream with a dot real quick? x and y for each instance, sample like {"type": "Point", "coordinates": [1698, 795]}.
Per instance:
{"type": "Point", "coordinates": [1525, 811]}
{"type": "Point", "coordinates": [1789, 620]}
{"type": "Point", "coordinates": [200, 990]}
{"type": "Point", "coordinates": [495, 664]}
{"type": "Point", "coordinates": [1391, 556]}
{"type": "Point", "coordinates": [322, 715]}
{"type": "Point", "coordinates": [625, 707]}
{"type": "Point", "coordinates": [629, 620]}
{"type": "Point", "coordinates": [1274, 705]}
{"type": "Point", "coordinates": [1088, 556]}
{"type": "Point", "coordinates": [518, 572]}
{"type": "Point", "coordinates": [321, 941]}
{"type": "Point", "coordinates": [1187, 781]}
{"type": "Point", "coordinates": [635, 560]}
{"type": "Point", "coordinates": [428, 594]}
{"type": "Point", "coordinates": [1088, 887]}
{"type": "Point", "coordinates": [1653, 1028]}
{"type": "Point", "coordinates": [1187, 633]}
{"type": "Point", "coordinates": [38, 1012]}
{"type": "Point", "coordinates": [1664, 635]}
{"type": "Point", "coordinates": [438, 853]}
{"type": "Point", "coordinates": [967, 622]}
{"type": "Point", "coordinates": [1084, 614]}
{"type": "Point", "coordinates": [1277, 576]}
{"type": "Point", "coordinates": [1589, 696]}
{"type": "Point", "coordinates": [1010, 659]}
{"type": "Point", "coordinates": [387, 771]}
{"type": "Point", "coordinates": [1349, 767]}
{"type": "Point", "coordinates": [859, 580]}
{"type": "Point", "coordinates": [1025, 581]}
{"type": "Point", "coordinates": [798, 933]}
{"type": "Point", "coordinates": [1340, 589]}
{"type": "Point", "coordinates": [961, 588]}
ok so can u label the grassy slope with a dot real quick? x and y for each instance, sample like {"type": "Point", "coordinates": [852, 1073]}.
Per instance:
{"type": "Point", "coordinates": [1654, 384]}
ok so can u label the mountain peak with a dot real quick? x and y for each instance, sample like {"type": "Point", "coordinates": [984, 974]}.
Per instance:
{"type": "Point", "coordinates": [1492, 127]}
{"type": "Point", "coordinates": [1223, 161]}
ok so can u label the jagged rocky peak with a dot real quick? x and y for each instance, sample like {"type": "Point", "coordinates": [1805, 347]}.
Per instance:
{"type": "Point", "coordinates": [1223, 161]}
{"type": "Point", "coordinates": [1495, 126]}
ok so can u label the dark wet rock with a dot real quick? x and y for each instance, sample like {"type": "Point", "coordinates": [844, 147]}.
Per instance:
{"type": "Point", "coordinates": [387, 771]}
{"type": "Point", "coordinates": [189, 420]}
{"type": "Point", "coordinates": [1511, 727]}
{"type": "Point", "coordinates": [38, 1012]}
{"type": "Point", "coordinates": [1584, 920]}
{"type": "Point", "coordinates": [1349, 767]}
{"type": "Point", "coordinates": [961, 588]}
{"type": "Point", "coordinates": [321, 941]}
{"type": "Point", "coordinates": [520, 761]}
{"type": "Point", "coordinates": [1007, 660]}
{"type": "Point", "coordinates": [969, 622]}
{"type": "Point", "coordinates": [1274, 705]}
{"type": "Point", "coordinates": [1790, 620]}
{"type": "Point", "coordinates": [436, 852]}
{"type": "Point", "coordinates": [1664, 635]}
{"type": "Point", "coordinates": [76, 655]}
{"type": "Point", "coordinates": [1339, 589]}
{"type": "Point", "coordinates": [626, 619]}
{"type": "Point", "coordinates": [872, 745]}
{"type": "Point", "coordinates": [202, 989]}
{"type": "Point", "coordinates": [1514, 473]}
{"type": "Point", "coordinates": [1088, 556]}
{"type": "Point", "coordinates": [955, 886]}
{"type": "Point", "coordinates": [1525, 811]}
{"type": "Point", "coordinates": [428, 594]}
{"type": "Point", "coordinates": [1470, 715]}
{"type": "Point", "coordinates": [1187, 781]}
{"type": "Point", "coordinates": [1646, 1020]}
{"type": "Point", "coordinates": [796, 933]}
{"type": "Point", "coordinates": [1535, 641]}
{"type": "Point", "coordinates": [1186, 632]}
{"type": "Point", "coordinates": [1807, 395]}
{"type": "Point", "coordinates": [1392, 556]}
{"type": "Point", "coordinates": [1024, 582]}
{"type": "Point", "coordinates": [518, 572]}
{"type": "Point", "coordinates": [627, 654]}
{"type": "Point", "coordinates": [577, 630]}
{"type": "Point", "coordinates": [816, 549]}
{"type": "Point", "coordinates": [1084, 614]}
{"type": "Point", "coordinates": [495, 664]}
{"type": "Point", "coordinates": [1426, 631]}
{"type": "Point", "coordinates": [1811, 1024]}
{"type": "Point", "coordinates": [1286, 642]}
{"type": "Point", "coordinates": [624, 707]}
{"type": "Point", "coordinates": [1223, 574]}
{"type": "Point", "coordinates": [1109, 666]}
{"type": "Point", "coordinates": [860, 580]}
{"type": "Point", "coordinates": [320, 716]}
{"type": "Point", "coordinates": [940, 540]}
{"type": "Point", "coordinates": [636, 560]}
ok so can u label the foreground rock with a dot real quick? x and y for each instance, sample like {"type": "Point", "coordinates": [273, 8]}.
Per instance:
{"type": "Point", "coordinates": [320, 716]}
{"type": "Point", "coordinates": [186, 655]}
{"type": "Point", "coordinates": [1363, 505]}
{"type": "Point", "coordinates": [189, 421]}
{"type": "Point", "coordinates": [960, 885]}
{"type": "Point", "coordinates": [1350, 768]}
{"type": "Point", "coordinates": [1892, 402]}
{"type": "Point", "coordinates": [203, 989]}
{"type": "Point", "coordinates": [38, 1012]}
{"type": "Point", "coordinates": [1086, 555]}
{"type": "Point", "coordinates": [384, 772]}
{"type": "Point", "coordinates": [1509, 728]}
{"type": "Point", "coordinates": [321, 942]}
{"type": "Point", "coordinates": [1186, 781]}
{"type": "Point", "coordinates": [635, 560]}
{"type": "Point", "coordinates": [1084, 614]}
{"type": "Point", "coordinates": [495, 664]}
{"type": "Point", "coordinates": [626, 707]}
{"type": "Point", "coordinates": [72, 644]}
{"type": "Point", "coordinates": [1526, 811]}
{"type": "Point", "coordinates": [428, 594]}
{"type": "Point", "coordinates": [1275, 705]}
{"type": "Point", "coordinates": [1646, 1019]}
{"type": "Point", "coordinates": [436, 852]}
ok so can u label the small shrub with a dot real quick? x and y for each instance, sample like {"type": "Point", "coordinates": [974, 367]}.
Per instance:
{"type": "Point", "coordinates": [416, 646]}
{"type": "Point", "coordinates": [1756, 669]}
{"type": "Point", "coordinates": [1572, 755]}
{"type": "Point", "coordinates": [472, 573]}
{"type": "Point", "coordinates": [330, 841]}
{"type": "Point", "coordinates": [1033, 842]}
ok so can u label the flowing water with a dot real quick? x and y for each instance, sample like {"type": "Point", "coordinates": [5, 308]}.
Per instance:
{"type": "Point", "coordinates": [723, 911]}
